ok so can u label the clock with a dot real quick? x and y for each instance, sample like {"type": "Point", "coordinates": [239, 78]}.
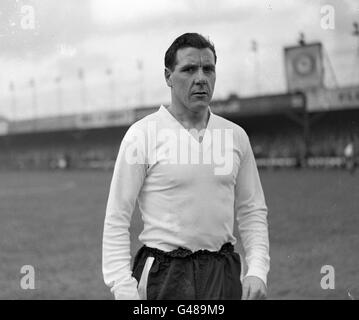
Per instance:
{"type": "Point", "coordinates": [304, 64]}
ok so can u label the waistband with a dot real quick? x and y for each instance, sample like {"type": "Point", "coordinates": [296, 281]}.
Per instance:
{"type": "Point", "coordinates": [227, 248]}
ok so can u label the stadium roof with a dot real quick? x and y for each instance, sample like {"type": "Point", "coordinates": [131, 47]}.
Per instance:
{"type": "Point", "coordinates": [233, 106]}
{"type": "Point", "coordinates": [324, 99]}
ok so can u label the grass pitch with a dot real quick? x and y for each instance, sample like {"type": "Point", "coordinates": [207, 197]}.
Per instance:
{"type": "Point", "coordinates": [53, 221]}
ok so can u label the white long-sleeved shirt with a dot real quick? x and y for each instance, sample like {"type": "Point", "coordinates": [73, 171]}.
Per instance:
{"type": "Point", "coordinates": [189, 194]}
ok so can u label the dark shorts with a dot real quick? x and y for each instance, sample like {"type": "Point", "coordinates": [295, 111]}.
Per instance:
{"type": "Point", "coordinates": [185, 275]}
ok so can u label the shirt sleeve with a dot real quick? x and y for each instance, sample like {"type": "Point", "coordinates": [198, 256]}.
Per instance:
{"type": "Point", "coordinates": [128, 177]}
{"type": "Point", "coordinates": [251, 214]}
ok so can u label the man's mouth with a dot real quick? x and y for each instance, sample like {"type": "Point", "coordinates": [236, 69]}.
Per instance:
{"type": "Point", "coordinates": [199, 93]}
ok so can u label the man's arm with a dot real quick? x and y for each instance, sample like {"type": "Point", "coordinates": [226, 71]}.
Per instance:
{"type": "Point", "coordinates": [251, 211]}
{"type": "Point", "coordinates": [127, 180]}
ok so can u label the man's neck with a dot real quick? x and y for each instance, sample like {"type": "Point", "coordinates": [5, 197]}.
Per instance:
{"type": "Point", "coordinates": [190, 119]}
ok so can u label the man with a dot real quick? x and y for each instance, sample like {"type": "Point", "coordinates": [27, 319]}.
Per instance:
{"type": "Point", "coordinates": [349, 155]}
{"type": "Point", "coordinates": [187, 205]}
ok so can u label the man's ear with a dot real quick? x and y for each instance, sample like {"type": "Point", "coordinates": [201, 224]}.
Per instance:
{"type": "Point", "coordinates": [168, 73]}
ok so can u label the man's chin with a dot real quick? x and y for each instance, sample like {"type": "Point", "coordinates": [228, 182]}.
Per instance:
{"type": "Point", "coordinates": [199, 106]}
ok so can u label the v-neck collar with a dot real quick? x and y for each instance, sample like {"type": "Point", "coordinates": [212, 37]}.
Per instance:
{"type": "Point", "coordinates": [180, 125]}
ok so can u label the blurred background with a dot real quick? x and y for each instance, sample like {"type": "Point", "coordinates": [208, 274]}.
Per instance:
{"type": "Point", "coordinates": [75, 75]}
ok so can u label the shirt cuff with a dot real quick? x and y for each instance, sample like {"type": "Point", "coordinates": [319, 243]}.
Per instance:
{"type": "Point", "coordinates": [257, 272]}
{"type": "Point", "coordinates": [126, 290]}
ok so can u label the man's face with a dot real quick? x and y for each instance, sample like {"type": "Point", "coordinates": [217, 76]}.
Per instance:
{"type": "Point", "coordinates": [193, 78]}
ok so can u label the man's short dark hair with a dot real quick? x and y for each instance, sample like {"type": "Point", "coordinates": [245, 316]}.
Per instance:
{"type": "Point", "coordinates": [187, 40]}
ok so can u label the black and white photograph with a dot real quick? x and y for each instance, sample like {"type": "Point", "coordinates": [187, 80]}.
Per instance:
{"type": "Point", "coordinates": [180, 150]}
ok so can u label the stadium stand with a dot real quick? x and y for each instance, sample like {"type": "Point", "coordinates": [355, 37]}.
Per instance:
{"type": "Point", "coordinates": [276, 134]}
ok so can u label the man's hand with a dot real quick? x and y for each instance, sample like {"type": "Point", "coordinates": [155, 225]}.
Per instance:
{"type": "Point", "coordinates": [253, 288]}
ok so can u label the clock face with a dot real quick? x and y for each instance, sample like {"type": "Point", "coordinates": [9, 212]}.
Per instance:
{"type": "Point", "coordinates": [304, 64]}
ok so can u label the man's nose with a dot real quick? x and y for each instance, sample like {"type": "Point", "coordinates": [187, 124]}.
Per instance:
{"type": "Point", "coordinates": [200, 76]}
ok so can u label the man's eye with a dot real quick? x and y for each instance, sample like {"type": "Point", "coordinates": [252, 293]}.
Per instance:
{"type": "Point", "coordinates": [190, 69]}
{"type": "Point", "coordinates": [208, 69]}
